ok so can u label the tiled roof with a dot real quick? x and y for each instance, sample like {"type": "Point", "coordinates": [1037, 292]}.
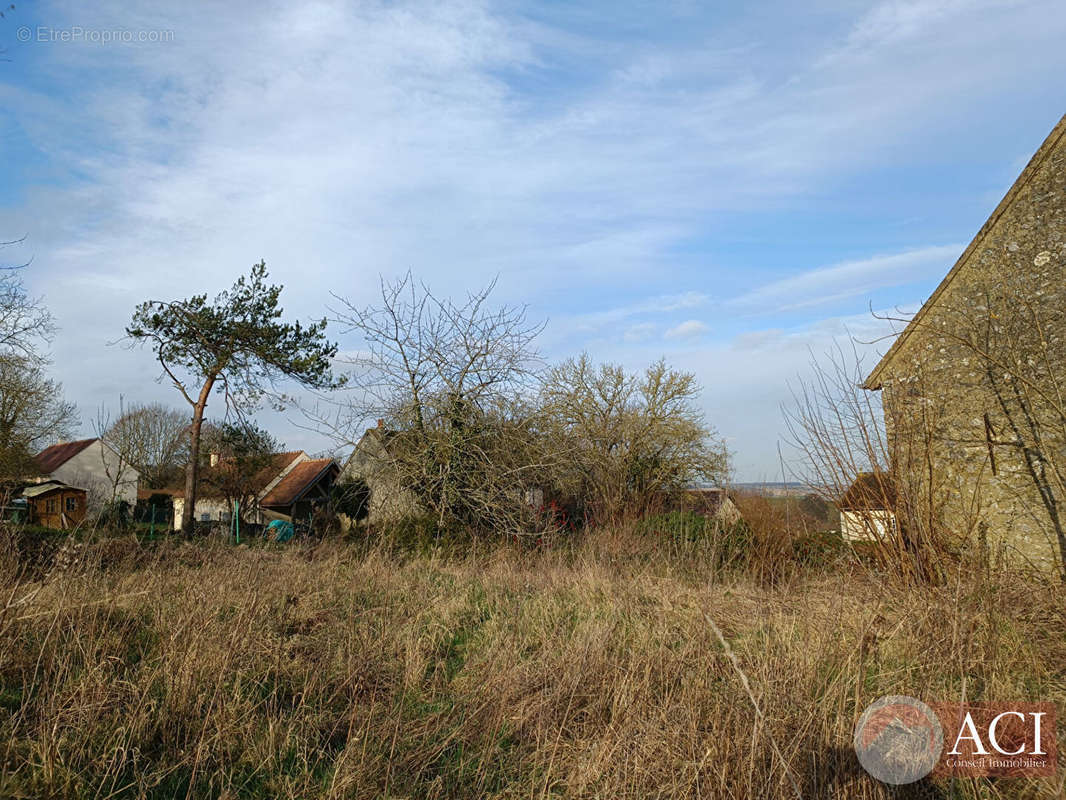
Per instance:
{"type": "Point", "coordinates": [274, 467]}
{"type": "Point", "coordinates": [278, 463]}
{"type": "Point", "coordinates": [52, 458]}
{"type": "Point", "coordinates": [301, 478]}
{"type": "Point", "coordinates": [871, 491]}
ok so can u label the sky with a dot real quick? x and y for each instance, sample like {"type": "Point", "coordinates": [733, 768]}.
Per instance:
{"type": "Point", "coordinates": [732, 186]}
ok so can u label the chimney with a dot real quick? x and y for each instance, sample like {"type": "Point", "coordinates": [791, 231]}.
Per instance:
{"type": "Point", "coordinates": [214, 459]}
{"type": "Point", "coordinates": [381, 423]}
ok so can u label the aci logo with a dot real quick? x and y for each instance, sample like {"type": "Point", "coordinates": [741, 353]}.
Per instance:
{"type": "Point", "coordinates": [900, 739]}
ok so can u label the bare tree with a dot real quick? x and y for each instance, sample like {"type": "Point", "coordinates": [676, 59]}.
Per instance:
{"type": "Point", "coordinates": [838, 432]}
{"type": "Point", "coordinates": [154, 439]}
{"type": "Point", "coordinates": [634, 439]}
{"type": "Point", "coordinates": [32, 410]}
{"type": "Point", "coordinates": [451, 382]}
{"type": "Point", "coordinates": [25, 324]}
{"type": "Point", "coordinates": [241, 451]}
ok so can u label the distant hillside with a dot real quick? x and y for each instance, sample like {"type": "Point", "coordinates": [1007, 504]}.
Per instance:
{"type": "Point", "coordinates": [774, 489]}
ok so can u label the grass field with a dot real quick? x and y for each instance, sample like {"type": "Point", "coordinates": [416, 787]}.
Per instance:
{"type": "Point", "coordinates": [595, 670]}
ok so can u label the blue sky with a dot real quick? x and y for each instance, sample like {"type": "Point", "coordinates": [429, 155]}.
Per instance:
{"type": "Point", "coordinates": [732, 186]}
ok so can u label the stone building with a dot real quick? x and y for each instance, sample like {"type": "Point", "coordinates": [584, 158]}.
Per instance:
{"type": "Point", "coordinates": [971, 388]}
{"type": "Point", "coordinates": [373, 461]}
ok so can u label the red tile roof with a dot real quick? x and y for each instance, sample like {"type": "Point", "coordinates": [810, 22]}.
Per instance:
{"type": "Point", "coordinates": [294, 485]}
{"type": "Point", "coordinates": [277, 465]}
{"type": "Point", "coordinates": [52, 458]}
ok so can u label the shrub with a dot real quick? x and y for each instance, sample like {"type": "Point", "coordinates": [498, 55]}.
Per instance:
{"type": "Point", "coordinates": [819, 549]}
{"type": "Point", "coordinates": [351, 498]}
{"type": "Point", "coordinates": [115, 515]}
{"type": "Point", "coordinates": [728, 543]}
{"type": "Point", "coordinates": [418, 534]}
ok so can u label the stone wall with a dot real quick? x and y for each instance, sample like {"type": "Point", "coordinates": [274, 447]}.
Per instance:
{"type": "Point", "coordinates": [974, 396]}
{"type": "Point", "coordinates": [390, 500]}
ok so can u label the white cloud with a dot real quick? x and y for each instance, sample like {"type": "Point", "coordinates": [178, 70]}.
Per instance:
{"type": "Point", "coordinates": [463, 140]}
{"type": "Point", "coordinates": [640, 332]}
{"type": "Point", "coordinates": [849, 279]}
{"type": "Point", "coordinates": [747, 380]}
{"type": "Point", "coordinates": [689, 329]}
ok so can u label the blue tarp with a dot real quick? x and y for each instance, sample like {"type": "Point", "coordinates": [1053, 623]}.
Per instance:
{"type": "Point", "coordinates": [281, 530]}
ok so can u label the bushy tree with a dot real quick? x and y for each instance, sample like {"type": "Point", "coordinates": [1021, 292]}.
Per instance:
{"type": "Point", "coordinates": [451, 381]}
{"type": "Point", "coordinates": [33, 414]}
{"type": "Point", "coordinates": [631, 440]}
{"type": "Point", "coordinates": [236, 342]}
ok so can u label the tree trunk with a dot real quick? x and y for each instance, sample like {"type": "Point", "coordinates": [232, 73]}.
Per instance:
{"type": "Point", "coordinates": [192, 469]}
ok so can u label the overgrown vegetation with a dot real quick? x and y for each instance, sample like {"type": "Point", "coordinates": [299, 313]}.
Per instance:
{"type": "Point", "coordinates": [477, 433]}
{"type": "Point", "coordinates": [585, 670]}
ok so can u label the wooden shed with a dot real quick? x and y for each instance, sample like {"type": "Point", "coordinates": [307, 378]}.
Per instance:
{"type": "Point", "coordinates": [54, 504]}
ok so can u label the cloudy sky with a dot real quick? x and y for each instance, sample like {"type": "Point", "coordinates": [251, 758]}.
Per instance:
{"type": "Point", "coordinates": [731, 185]}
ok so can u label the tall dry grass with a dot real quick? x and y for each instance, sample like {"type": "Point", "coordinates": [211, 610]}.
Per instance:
{"type": "Point", "coordinates": [595, 671]}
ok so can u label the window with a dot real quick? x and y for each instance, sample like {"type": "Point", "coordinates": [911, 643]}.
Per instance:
{"type": "Point", "coordinates": [51, 506]}
{"type": "Point", "coordinates": [72, 504]}
{"type": "Point", "coordinates": [205, 517]}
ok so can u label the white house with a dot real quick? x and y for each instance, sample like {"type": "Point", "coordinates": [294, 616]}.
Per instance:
{"type": "Point", "coordinates": [285, 488]}
{"type": "Point", "coordinates": [92, 465]}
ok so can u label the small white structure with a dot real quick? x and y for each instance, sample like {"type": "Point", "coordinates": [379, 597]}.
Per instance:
{"type": "Point", "coordinates": [92, 465]}
{"type": "Point", "coordinates": [867, 509]}
{"type": "Point", "coordinates": [868, 525]}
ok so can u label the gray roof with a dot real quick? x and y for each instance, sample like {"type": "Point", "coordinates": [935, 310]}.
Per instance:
{"type": "Point", "coordinates": [43, 488]}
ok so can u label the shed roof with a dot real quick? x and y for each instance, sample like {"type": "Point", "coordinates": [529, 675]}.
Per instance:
{"type": "Point", "coordinates": [274, 466]}
{"type": "Point", "coordinates": [38, 489]}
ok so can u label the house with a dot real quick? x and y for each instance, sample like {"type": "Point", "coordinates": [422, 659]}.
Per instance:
{"type": "Point", "coordinates": [372, 461]}
{"type": "Point", "coordinates": [867, 508]}
{"type": "Point", "coordinates": [974, 437]}
{"type": "Point", "coordinates": [157, 505]}
{"type": "Point", "coordinates": [54, 504]}
{"type": "Point", "coordinates": [288, 487]}
{"type": "Point", "coordinates": [92, 465]}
